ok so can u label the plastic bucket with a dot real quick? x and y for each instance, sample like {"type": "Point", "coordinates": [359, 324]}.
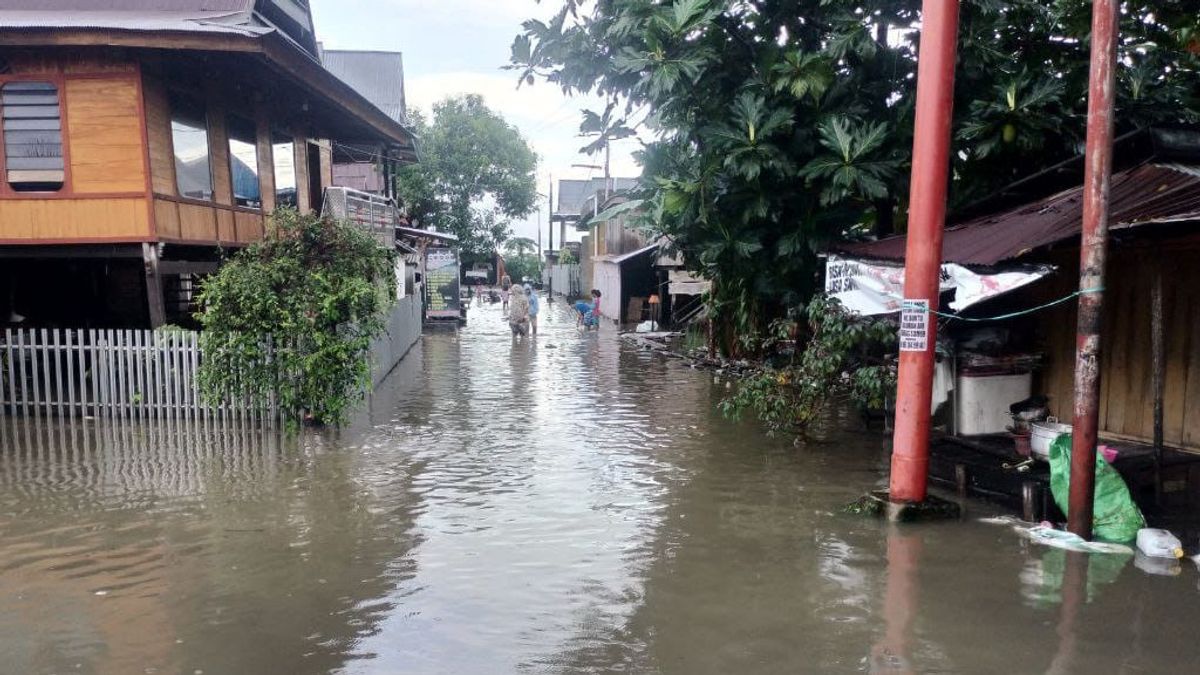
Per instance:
{"type": "Point", "coordinates": [1042, 434]}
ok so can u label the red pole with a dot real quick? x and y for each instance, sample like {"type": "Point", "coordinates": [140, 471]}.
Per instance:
{"type": "Point", "coordinates": [923, 252]}
{"type": "Point", "coordinates": [1092, 254]}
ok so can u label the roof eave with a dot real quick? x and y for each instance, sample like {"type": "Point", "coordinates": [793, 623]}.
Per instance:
{"type": "Point", "coordinates": [276, 48]}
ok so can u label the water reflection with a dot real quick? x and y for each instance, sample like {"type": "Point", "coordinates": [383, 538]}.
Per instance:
{"type": "Point", "coordinates": [893, 653]}
{"type": "Point", "coordinates": [135, 547]}
{"type": "Point", "coordinates": [561, 505]}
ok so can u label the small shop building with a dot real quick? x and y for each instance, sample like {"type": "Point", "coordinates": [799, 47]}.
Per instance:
{"type": "Point", "coordinates": [1009, 323]}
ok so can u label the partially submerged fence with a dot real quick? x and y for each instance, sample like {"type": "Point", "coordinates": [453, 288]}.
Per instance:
{"type": "Point", "coordinates": [145, 374]}
{"type": "Point", "coordinates": [136, 374]}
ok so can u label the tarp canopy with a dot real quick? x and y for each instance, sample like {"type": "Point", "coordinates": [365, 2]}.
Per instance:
{"type": "Point", "coordinates": [872, 287]}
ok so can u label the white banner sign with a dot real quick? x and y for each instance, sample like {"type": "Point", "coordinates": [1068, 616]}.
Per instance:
{"type": "Point", "coordinates": [870, 287]}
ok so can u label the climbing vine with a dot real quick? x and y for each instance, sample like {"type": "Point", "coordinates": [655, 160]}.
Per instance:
{"type": "Point", "coordinates": [845, 356]}
{"type": "Point", "coordinates": [291, 318]}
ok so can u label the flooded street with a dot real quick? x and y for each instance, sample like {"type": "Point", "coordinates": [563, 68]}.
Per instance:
{"type": "Point", "coordinates": [571, 505]}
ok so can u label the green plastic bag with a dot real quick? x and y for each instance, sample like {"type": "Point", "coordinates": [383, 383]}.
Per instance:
{"type": "Point", "coordinates": [1115, 517]}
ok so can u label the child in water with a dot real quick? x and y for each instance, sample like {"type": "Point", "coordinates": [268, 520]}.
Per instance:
{"type": "Point", "coordinates": [533, 308]}
{"type": "Point", "coordinates": [589, 315]}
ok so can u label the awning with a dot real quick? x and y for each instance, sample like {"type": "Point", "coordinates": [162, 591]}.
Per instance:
{"type": "Point", "coordinates": [626, 257]}
{"type": "Point", "coordinates": [873, 287]}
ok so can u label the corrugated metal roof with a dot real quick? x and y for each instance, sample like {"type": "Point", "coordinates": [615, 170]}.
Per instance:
{"type": "Point", "coordinates": [574, 195]}
{"type": "Point", "coordinates": [1150, 193]}
{"type": "Point", "coordinates": [378, 76]}
{"type": "Point", "coordinates": [131, 5]}
{"type": "Point", "coordinates": [228, 22]}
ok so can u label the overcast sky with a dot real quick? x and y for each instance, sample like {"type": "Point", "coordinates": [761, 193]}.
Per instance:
{"type": "Point", "coordinates": [459, 46]}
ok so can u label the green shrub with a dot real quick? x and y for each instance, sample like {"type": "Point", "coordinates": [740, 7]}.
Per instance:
{"type": "Point", "coordinates": [845, 356]}
{"type": "Point", "coordinates": [292, 317]}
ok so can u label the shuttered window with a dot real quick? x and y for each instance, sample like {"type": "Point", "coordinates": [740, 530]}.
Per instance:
{"type": "Point", "coordinates": [33, 149]}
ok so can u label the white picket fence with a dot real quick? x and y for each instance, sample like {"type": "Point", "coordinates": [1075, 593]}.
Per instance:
{"type": "Point", "coordinates": [133, 374]}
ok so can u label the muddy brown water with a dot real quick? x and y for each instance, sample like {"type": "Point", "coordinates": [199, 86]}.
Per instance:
{"type": "Point", "coordinates": [570, 505]}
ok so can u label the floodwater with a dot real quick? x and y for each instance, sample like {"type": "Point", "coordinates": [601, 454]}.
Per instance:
{"type": "Point", "coordinates": [566, 505]}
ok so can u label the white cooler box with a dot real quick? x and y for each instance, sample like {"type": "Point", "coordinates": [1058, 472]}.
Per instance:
{"type": "Point", "coordinates": [983, 401]}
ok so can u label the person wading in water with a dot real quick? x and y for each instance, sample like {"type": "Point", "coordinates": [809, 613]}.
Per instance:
{"type": "Point", "coordinates": [518, 311]}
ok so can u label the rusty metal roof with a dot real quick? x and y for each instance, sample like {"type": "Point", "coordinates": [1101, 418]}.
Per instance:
{"type": "Point", "coordinates": [1144, 195]}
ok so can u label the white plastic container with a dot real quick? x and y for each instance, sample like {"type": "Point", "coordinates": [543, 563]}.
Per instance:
{"type": "Point", "coordinates": [1042, 434]}
{"type": "Point", "coordinates": [983, 401]}
{"type": "Point", "coordinates": [1157, 543]}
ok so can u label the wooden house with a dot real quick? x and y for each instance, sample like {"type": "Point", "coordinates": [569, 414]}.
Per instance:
{"type": "Point", "coordinates": [1154, 223]}
{"type": "Point", "coordinates": [143, 139]}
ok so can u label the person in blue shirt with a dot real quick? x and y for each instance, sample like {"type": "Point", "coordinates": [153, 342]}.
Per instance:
{"type": "Point", "coordinates": [533, 308]}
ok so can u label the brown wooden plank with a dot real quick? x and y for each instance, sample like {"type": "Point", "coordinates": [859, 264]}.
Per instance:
{"type": "Point", "coordinates": [197, 223]}
{"type": "Point", "coordinates": [80, 61]}
{"type": "Point", "coordinates": [218, 148]}
{"type": "Point", "coordinates": [158, 135]}
{"type": "Point", "coordinates": [166, 219]}
{"type": "Point", "coordinates": [300, 147]}
{"type": "Point", "coordinates": [266, 162]}
{"type": "Point", "coordinates": [1115, 338]}
{"type": "Point", "coordinates": [104, 134]}
{"type": "Point", "coordinates": [65, 219]}
{"type": "Point", "coordinates": [225, 225]}
{"type": "Point", "coordinates": [1179, 294]}
{"type": "Point", "coordinates": [249, 227]}
{"type": "Point", "coordinates": [1191, 400]}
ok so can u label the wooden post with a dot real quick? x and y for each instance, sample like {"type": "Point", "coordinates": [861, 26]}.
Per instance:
{"type": "Point", "coordinates": [154, 290]}
{"type": "Point", "coordinates": [1029, 501]}
{"type": "Point", "coordinates": [1158, 351]}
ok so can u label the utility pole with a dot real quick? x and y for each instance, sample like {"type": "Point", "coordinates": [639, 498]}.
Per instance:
{"type": "Point", "coordinates": [550, 206]}
{"type": "Point", "coordinates": [607, 176]}
{"type": "Point", "coordinates": [1093, 254]}
{"type": "Point", "coordinates": [923, 250]}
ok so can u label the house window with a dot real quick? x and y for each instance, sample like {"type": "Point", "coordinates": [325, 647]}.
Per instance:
{"type": "Point", "coordinates": [243, 162]}
{"type": "Point", "coordinates": [33, 149]}
{"type": "Point", "coordinates": [283, 150]}
{"type": "Point", "coordinates": [189, 136]}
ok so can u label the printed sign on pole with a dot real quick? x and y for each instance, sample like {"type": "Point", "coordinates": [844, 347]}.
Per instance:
{"type": "Point", "coordinates": [914, 325]}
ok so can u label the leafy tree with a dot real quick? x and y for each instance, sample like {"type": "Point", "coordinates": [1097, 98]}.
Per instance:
{"type": "Point", "coordinates": [523, 268]}
{"type": "Point", "coordinates": [781, 125]}
{"type": "Point", "coordinates": [476, 173]}
{"type": "Point", "coordinates": [521, 259]}
{"type": "Point", "coordinates": [520, 246]}
{"type": "Point", "coordinates": [291, 317]}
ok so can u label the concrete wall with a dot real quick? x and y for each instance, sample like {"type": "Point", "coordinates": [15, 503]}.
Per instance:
{"type": "Point", "coordinates": [566, 279]}
{"type": "Point", "coordinates": [403, 330]}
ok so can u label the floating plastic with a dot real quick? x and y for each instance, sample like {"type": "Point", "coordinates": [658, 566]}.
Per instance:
{"type": "Point", "coordinates": [1158, 543]}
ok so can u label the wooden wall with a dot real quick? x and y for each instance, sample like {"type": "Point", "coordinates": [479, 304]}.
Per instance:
{"type": "Point", "coordinates": [104, 193]}
{"type": "Point", "coordinates": [1126, 396]}
{"type": "Point", "coordinates": [120, 169]}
